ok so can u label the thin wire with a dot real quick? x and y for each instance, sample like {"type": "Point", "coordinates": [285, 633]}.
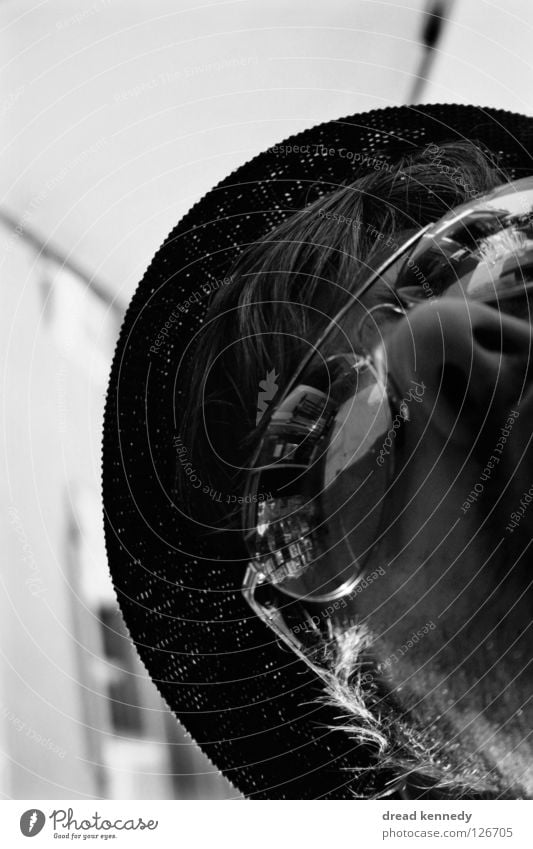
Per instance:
{"type": "Point", "coordinates": [45, 249]}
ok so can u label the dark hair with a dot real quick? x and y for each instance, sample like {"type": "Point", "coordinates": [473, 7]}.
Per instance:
{"type": "Point", "coordinates": [288, 286]}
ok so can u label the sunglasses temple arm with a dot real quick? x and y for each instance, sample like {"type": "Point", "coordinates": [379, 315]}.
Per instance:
{"type": "Point", "coordinates": [354, 297]}
{"type": "Point", "coordinates": [273, 618]}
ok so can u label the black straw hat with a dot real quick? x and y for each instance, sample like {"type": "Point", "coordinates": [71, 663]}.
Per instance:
{"type": "Point", "coordinates": [252, 707]}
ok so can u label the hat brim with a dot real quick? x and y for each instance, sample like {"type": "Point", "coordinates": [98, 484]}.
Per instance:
{"type": "Point", "coordinates": [251, 706]}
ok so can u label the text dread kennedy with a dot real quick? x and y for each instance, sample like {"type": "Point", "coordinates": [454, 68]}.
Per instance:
{"type": "Point", "coordinates": [427, 815]}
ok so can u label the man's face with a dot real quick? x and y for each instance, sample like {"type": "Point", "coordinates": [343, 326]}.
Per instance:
{"type": "Point", "coordinates": [451, 614]}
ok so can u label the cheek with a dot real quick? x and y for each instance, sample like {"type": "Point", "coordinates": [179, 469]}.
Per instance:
{"type": "Point", "coordinates": [442, 603]}
{"type": "Point", "coordinates": [431, 568]}
{"type": "Point", "coordinates": [440, 563]}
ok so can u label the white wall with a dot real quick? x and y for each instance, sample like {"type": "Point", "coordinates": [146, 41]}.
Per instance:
{"type": "Point", "coordinates": [121, 114]}
{"type": "Point", "coordinates": [485, 56]}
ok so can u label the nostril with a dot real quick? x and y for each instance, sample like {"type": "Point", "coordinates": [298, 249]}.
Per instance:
{"type": "Point", "coordinates": [498, 339]}
{"type": "Point", "coordinates": [454, 384]}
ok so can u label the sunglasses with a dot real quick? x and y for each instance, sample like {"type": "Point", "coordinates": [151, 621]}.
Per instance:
{"type": "Point", "coordinates": [338, 409]}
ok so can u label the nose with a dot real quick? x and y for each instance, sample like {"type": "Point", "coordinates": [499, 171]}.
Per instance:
{"type": "Point", "coordinates": [472, 360]}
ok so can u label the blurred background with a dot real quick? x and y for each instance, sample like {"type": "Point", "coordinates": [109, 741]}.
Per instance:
{"type": "Point", "coordinates": [116, 116]}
